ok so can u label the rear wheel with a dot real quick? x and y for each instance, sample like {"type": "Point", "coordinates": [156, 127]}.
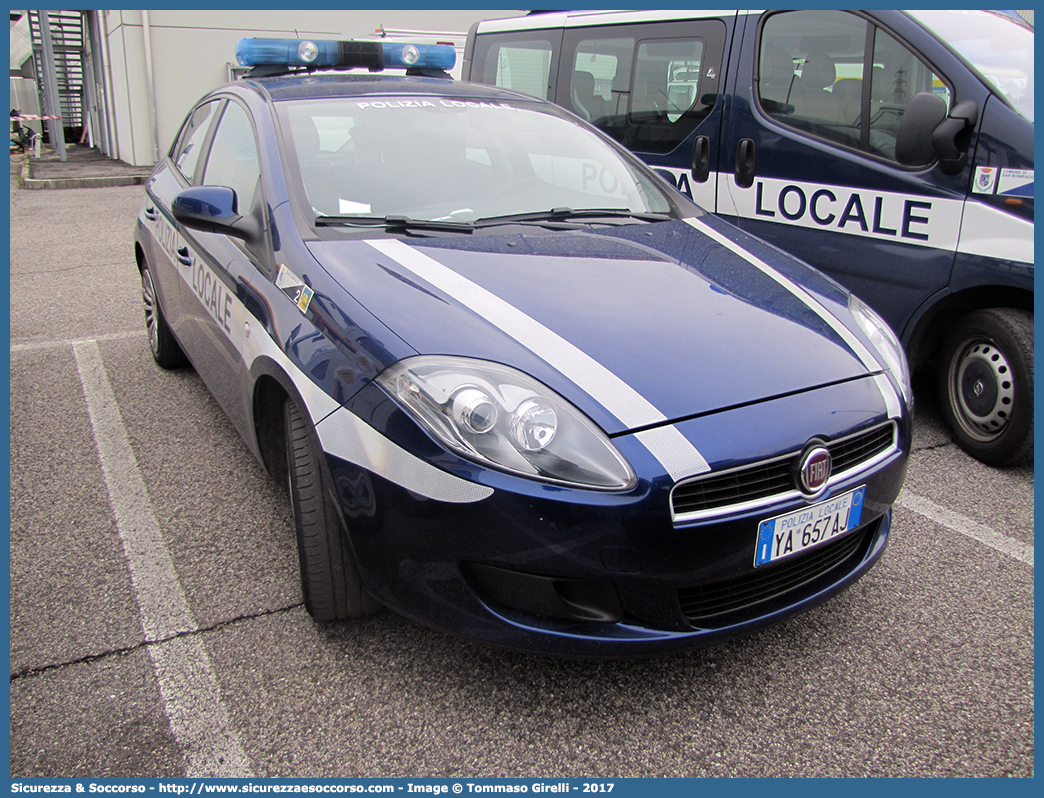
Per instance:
{"type": "Point", "coordinates": [329, 577]}
{"type": "Point", "coordinates": [986, 385]}
{"type": "Point", "coordinates": [165, 349]}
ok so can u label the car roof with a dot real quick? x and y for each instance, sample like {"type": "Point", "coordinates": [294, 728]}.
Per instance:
{"type": "Point", "coordinates": [318, 85]}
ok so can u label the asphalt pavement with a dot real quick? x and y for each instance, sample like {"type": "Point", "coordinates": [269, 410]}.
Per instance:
{"type": "Point", "coordinates": [924, 667]}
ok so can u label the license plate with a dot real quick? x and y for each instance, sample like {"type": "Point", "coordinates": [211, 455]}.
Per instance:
{"type": "Point", "coordinates": [787, 535]}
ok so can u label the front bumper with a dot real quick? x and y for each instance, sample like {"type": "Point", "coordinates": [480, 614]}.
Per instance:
{"type": "Point", "coordinates": [552, 570]}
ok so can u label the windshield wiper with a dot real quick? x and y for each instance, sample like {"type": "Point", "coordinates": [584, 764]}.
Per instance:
{"type": "Point", "coordinates": [564, 214]}
{"type": "Point", "coordinates": [392, 223]}
{"type": "Point", "coordinates": [556, 217]}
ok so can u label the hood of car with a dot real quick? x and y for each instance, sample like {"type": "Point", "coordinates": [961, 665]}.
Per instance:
{"type": "Point", "coordinates": [661, 312]}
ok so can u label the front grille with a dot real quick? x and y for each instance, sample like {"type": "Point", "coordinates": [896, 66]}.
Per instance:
{"type": "Point", "coordinates": [851, 452]}
{"type": "Point", "coordinates": [769, 481]}
{"type": "Point", "coordinates": [723, 603]}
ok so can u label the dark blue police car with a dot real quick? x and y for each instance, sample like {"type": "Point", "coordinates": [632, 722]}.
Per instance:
{"type": "Point", "coordinates": [521, 389]}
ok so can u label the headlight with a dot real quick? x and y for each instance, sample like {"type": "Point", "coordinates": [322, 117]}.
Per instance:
{"type": "Point", "coordinates": [885, 341]}
{"type": "Point", "coordinates": [503, 418]}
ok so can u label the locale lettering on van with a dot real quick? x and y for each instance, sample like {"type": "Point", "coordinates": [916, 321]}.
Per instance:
{"type": "Point", "coordinates": [792, 204]}
{"type": "Point", "coordinates": [909, 218]}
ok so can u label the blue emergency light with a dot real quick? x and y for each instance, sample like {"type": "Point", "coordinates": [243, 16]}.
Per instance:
{"type": "Point", "coordinates": [319, 54]}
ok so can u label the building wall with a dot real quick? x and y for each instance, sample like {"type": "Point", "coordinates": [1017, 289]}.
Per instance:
{"type": "Point", "coordinates": [192, 48]}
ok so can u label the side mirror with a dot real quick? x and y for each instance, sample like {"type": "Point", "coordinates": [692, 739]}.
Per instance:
{"type": "Point", "coordinates": [926, 132]}
{"type": "Point", "coordinates": [213, 209]}
{"type": "Point", "coordinates": [944, 137]}
{"type": "Point", "coordinates": [913, 140]}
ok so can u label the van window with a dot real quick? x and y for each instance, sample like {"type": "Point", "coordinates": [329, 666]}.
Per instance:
{"type": "Point", "coordinates": [812, 71]}
{"type": "Point", "coordinates": [672, 73]}
{"type": "Point", "coordinates": [599, 82]}
{"type": "Point", "coordinates": [997, 46]}
{"type": "Point", "coordinates": [649, 93]}
{"type": "Point", "coordinates": [520, 65]}
{"type": "Point", "coordinates": [897, 76]}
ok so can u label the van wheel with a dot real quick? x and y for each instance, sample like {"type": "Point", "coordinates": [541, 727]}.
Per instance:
{"type": "Point", "coordinates": [329, 576]}
{"type": "Point", "coordinates": [986, 385]}
{"type": "Point", "coordinates": [165, 349]}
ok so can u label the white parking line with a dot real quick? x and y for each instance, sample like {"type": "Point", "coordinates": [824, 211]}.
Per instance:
{"type": "Point", "coordinates": [30, 346]}
{"type": "Point", "coordinates": [967, 527]}
{"type": "Point", "coordinates": [188, 685]}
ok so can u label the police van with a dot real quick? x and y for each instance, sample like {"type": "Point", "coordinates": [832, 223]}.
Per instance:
{"type": "Point", "coordinates": [892, 150]}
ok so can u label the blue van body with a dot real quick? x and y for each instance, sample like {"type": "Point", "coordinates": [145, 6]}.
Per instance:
{"type": "Point", "coordinates": [913, 188]}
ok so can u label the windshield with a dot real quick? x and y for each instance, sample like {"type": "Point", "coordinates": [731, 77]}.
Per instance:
{"type": "Point", "coordinates": [997, 46]}
{"type": "Point", "coordinates": [452, 160]}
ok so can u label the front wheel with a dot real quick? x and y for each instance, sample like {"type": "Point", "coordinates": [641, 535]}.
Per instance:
{"type": "Point", "coordinates": [330, 578]}
{"type": "Point", "coordinates": [165, 349]}
{"type": "Point", "coordinates": [986, 385]}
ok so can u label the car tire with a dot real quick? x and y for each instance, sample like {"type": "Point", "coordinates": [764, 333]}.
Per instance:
{"type": "Point", "coordinates": [986, 385]}
{"type": "Point", "coordinates": [330, 580]}
{"type": "Point", "coordinates": [165, 349]}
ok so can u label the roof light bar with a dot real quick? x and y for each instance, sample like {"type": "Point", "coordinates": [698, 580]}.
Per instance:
{"type": "Point", "coordinates": [345, 54]}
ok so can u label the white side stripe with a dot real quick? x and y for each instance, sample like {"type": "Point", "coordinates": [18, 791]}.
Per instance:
{"type": "Point", "coordinates": [865, 355]}
{"type": "Point", "coordinates": [675, 453]}
{"type": "Point", "coordinates": [889, 394]}
{"type": "Point", "coordinates": [968, 226]}
{"type": "Point", "coordinates": [992, 233]}
{"type": "Point", "coordinates": [348, 437]}
{"type": "Point", "coordinates": [342, 433]}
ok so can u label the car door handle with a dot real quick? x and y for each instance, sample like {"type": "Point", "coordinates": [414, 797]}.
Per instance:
{"type": "Point", "coordinates": [745, 163]}
{"type": "Point", "coordinates": [184, 256]}
{"type": "Point", "coordinates": [701, 159]}
{"type": "Point", "coordinates": [150, 214]}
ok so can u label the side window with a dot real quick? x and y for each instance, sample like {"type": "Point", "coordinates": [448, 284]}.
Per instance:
{"type": "Point", "coordinates": [233, 158]}
{"type": "Point", "coordinates": [647, 86]}
{"type": "Point", "coordinates": [669, 75]}
{"type": "Point", "coordinates": [189, 144]}
{"type": "Point", "coordinates": [520, 65]}
{"type": "Point", "coordinates": [600, 80]}
{"type": "Point", "coordinates": [810, 72]}
{"type": "Point", "coordinates": [812, 76]}
{"type": "Point", "coordinates": [897, 76]}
